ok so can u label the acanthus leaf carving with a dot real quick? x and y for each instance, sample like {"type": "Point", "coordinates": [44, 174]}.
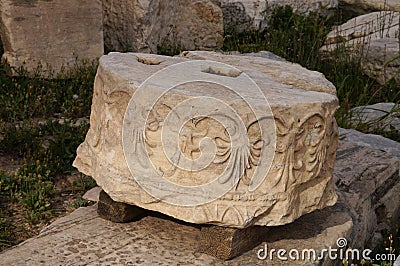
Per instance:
{"type": "Point", "coordinates": [301, 149]}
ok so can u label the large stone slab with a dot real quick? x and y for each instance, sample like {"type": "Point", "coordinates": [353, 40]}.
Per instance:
{"type": "Point", "coordinates": [162, 26]}
{"type": "Point", "coordinates": [381, 60]}
{"type": "Point", "coordinates": [54, 33]}
{"type": "Point", "coordinates": [376, 142]}
{"type": "Point", "coordinates": [358, 32]}
{"type": "Point", "coordinates": [83, 238]}
{"type": "Point", "coordinates": [374, 39]}
{"type": "Point", "coordinates": [183, 25]}
{"type": "Point", "coordinates": [368, 188]}
{"type": "Point", "coordinates": [368, 181]}
{"type": "Point", "coordinates": [303, 103]}
{"type": "Point", "coordinates": [121, 21]}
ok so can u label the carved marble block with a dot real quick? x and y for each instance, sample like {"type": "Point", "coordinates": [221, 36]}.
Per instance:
{"type": "Point", "coordinates": [209, 138]}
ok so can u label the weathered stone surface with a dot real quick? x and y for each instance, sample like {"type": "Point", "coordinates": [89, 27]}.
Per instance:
{"type": "Point", "coordinates": [121, 20]}
{"type": "Point", "coordinates": [378, 116]}
{"type": "Point", "coordinates": [302, 101]}
{"type": "Point", "coordinates": [193, 25]}
{"type": "Point", "coordinates": [244, 13]}
{"type": "Point", "coordinates": [397, 262]}
{"type": "Point", "coordinates": [376, 142]}
{"type": "Point", "coordinates": [367, 6]}
{"type": "Point", "coordinates": [226, 243]}
{"type": "Point", "coordinates": [265, 54]}
{"type": "Point", "coordinates": [154, 26]}
{"type": "Point", "coordinates": [367, 185]}
{"type": "Point", "coordinates": [83, 238]}
{"type": "Point", "coordinates": [368, 181]}
{"type": "Point", "coordinates": [382, 60]}
{"type": "Point", "coordinates": [117, 212]}
{"type": "Point", "coordinates": [54, 33]}
{"type": "Point", "coordinates": [372, 37]}
{"type": "Point", "coordinates": [356, 34]}
{"type": "Point", "coordinates": [92, 194]}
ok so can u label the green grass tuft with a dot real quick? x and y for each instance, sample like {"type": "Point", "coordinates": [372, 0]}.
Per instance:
{"type": "Point", "coordinates": [42, 122]}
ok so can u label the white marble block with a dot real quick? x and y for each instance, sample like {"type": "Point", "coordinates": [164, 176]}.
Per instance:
{"type": "Point", "coordinates": [208, 138]}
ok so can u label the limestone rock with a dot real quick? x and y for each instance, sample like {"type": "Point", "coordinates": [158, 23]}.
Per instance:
{"type": "Point", "coordinates": [162, 26]}
{"type": "Point", "coordinates": [372, 37]}
{"type": "Point", "coordinates": [240, 15]}
{"type": "Point", "coordinates": [367, 6]}
{"type": "Point", "coordinates": [378, 116]}
{"type": "Point", "coordinates": [53, 33]}
{"type": "Point", "coordinates": [265, 54]}
{"type": "Point", "coordinates": [368, 181]}
{"type": "Point", "coordinates": [381, 60]}
{"type": "Point", "coordinates": [92, 194]}
{"type": "Point", "coordinates": [356, 34]}
{"type": "Point", "coordinates": [303, 103]}
{"type": "Point", "coordinates": [121, 20]}
{"type": "Point", "coordinates": [376, 142]}
{"type": "Point", "coordinates": [184, 25]}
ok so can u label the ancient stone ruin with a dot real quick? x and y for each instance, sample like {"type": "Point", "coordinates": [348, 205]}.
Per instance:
{"type": "Point", "coordinates": [191, 137]}
{"type": "Point", "coordinates": [54, 34]}
{"type": "Point", "coordinates": [272, 161]}
{"type": "Point", "coordinates": [162, 26]}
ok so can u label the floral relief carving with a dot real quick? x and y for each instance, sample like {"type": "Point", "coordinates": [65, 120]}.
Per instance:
{"type": "Point", "coordinates": [298, 182]}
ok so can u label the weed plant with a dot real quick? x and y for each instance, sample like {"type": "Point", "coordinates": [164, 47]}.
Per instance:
{"type": "Point", "coordinates": [69, 95]}
{"type": "Point", "coordinates": [41, 125]}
